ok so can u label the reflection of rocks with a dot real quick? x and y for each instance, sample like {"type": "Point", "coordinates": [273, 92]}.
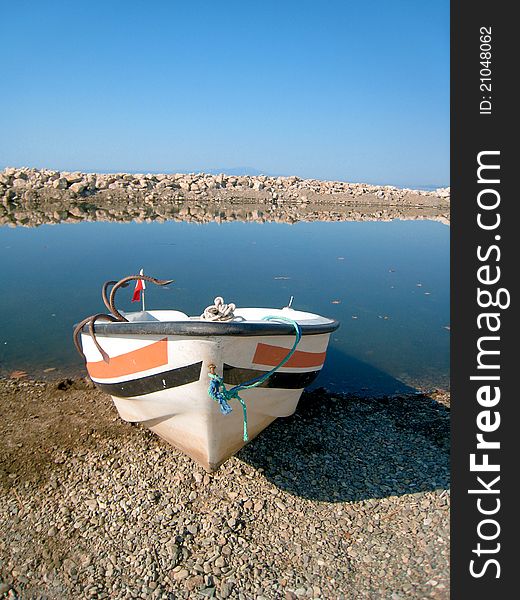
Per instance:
{"type": "Point", "coordinates": [33, 197]}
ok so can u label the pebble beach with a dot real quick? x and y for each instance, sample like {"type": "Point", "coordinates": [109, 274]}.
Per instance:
{"type": "Point", "coordinates": [348, 498]}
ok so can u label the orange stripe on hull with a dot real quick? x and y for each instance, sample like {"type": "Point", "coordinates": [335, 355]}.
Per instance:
{"type": "Point", "coordinates": [151, 356]}
{"type": "Point", "coordinates": [272, 355]}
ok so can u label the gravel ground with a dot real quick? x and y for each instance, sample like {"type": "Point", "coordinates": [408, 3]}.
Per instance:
{"type": "Point", "coordinates": [349, 498]}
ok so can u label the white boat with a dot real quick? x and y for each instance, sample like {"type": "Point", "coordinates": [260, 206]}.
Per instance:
{"type": "Point", "coordinates": [178, 375]}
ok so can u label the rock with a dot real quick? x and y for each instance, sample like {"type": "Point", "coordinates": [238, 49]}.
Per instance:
{"type": "Point", "coordinates": [194, 582]}
{"type": "Point", "coordinates": [225, 589]}
{"type": "Point", "coordinates": [92, 504]}
{"type": "Point", "coordinates": [69, 567]}
{"type": "Point", "coordinates": [180, 575]}
{"type": "Point", "coordinates": [78, 188]}
{"type": "Point", "coordinates": [61, 184]}
{"type": "Point", "coordinates": [72, 177]}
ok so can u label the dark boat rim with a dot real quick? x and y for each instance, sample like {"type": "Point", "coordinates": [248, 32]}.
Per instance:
{"type": "Point", "coordinates": [211, 328]}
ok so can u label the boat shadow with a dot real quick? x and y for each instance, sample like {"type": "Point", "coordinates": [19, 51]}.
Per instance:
{"type": "Point", "coordinates": [350, 447]}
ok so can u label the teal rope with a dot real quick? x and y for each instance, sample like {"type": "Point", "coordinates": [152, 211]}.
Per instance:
{"type": "Point", "coordinates": [217, 389]}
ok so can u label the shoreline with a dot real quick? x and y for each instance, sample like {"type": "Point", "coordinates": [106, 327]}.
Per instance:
{"type": "Point", "coordinates": [93, 507]}
{"type": "Point", "coordinates": [31, 197]}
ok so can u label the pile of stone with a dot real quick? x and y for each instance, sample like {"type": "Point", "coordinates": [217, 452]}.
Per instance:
{"type": "Point", "coordinates": [20, 180]}
{"type": "Point", "coordinates": [33, 197]}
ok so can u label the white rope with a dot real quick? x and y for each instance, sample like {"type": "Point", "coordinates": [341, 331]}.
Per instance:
{"type": "Point", "coordinates": [219, 311]}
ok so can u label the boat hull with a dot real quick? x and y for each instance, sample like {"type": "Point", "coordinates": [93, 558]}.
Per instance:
{"type": "Point", "coordinates": [162, 381]}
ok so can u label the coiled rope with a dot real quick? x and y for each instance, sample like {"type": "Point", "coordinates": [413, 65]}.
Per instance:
{"type": "Point", "coordinates": [219, 311]}
{"type": "Point", "coordinates": [217, 389]}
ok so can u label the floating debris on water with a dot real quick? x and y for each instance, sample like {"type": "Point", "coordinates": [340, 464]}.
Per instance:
{"type": "Point", "coordinates": [18, 374]}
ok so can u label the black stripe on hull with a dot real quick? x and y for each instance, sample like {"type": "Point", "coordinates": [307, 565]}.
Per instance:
{"type": "Point", "coordinates": [153, 383]}
{"type": "Point", "coordinates": [287, 381]}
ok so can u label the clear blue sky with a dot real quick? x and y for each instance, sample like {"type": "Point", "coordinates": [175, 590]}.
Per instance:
{"type": "Point", "coordinates": [355, 91]}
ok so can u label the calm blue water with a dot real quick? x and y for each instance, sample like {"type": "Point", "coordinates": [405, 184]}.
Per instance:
{"type": "Point", "coordinates": [387, 282]}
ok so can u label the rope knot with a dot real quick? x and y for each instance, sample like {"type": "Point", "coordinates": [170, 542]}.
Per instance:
{"type": "Point", "coordinates": [219, 395]}
{"type": "Point", "coordinates": [219, 311]}
{"type": "Point", "coordinates": [217, 388]}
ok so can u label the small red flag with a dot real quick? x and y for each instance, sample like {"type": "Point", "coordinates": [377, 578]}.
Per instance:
{"type": "Point", "coordinates": [137, 290]}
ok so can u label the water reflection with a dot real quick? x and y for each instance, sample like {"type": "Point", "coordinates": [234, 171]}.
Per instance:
{"type": "Point", "coordinates": [36, 212]}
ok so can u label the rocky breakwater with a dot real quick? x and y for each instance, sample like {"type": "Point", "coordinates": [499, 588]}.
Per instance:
{"type": "Point", "coordinates": [33, 197]}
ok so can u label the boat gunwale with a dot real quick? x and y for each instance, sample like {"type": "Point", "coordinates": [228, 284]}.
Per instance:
{"type": "Point", "coordinates": [210, 328]}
